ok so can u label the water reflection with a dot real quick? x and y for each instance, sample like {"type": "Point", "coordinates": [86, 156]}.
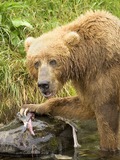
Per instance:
{"type": "Point", "coordinates": [77, 154]}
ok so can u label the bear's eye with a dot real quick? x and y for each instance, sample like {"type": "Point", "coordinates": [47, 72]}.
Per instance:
{"type": "Point", "coordinates": [37, 64]}
{"type": "Point", "coordinates": [53, 62]}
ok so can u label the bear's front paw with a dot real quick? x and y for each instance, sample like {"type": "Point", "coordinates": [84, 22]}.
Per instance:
{"type": "Point", "coordinates": [23, 112]}
{"type": "Point", "coordinates": [27, 108]}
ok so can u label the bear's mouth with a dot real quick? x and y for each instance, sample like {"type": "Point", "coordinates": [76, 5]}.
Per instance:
{"type": "Point", "coordinates": [47, 94]}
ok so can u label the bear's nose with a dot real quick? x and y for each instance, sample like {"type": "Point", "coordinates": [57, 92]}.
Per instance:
{"type": "Point", "coordinates": [44, 85]}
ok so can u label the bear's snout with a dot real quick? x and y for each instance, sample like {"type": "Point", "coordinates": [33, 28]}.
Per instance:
{"type": "Point", "coordinates": [44, 85]}
{"type": "Point", "coordinates": [45, 88]}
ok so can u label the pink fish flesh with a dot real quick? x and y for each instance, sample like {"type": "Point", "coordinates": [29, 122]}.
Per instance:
{"type": "Point", "coordinates": [27, 121]}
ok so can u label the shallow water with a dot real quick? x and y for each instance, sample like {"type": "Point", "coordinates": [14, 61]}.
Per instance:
{"type": "Point", "coordinates": [79, 154]}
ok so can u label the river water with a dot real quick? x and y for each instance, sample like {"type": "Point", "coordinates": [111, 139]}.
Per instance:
{"type": "Point", "coordinates": [80, 154]}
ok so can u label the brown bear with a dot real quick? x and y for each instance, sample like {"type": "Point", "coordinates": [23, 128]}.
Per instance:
{"type": "Point", "coordinates": [87, 52]}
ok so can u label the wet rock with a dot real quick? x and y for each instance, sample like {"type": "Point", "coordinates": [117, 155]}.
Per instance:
{"type": "Point", "coordinates": [1, 125]}
{"type": "Point", "coordinates": [51, 136]}
{"type": "Point", "coordinates": [59, 156]}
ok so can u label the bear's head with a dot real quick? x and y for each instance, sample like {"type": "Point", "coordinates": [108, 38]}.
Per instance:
{"type": "Point", "coordinates": [49, 59]}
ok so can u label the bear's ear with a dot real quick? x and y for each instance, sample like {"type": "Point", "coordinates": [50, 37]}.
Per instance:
{"type": "Point", "coordinates": [28, 42]}
{"type": "Point", "coordinates": [72, 38]}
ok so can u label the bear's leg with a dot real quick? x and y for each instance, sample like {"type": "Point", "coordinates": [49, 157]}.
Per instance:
{"type": "Point", "coordinates": [68, 107]}
{"type": "Point", "coordinates": [108, 125]}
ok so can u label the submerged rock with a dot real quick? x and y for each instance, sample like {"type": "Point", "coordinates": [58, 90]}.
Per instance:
{"type": "Point", "coordinates": [51, 136]}
{"type": "Point", "coordinates": [59, 156]}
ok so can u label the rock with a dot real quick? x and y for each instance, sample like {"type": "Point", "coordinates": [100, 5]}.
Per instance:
{"type": "Point", "coordinates": [51, 136]}
{"type": "Point", "coordinates": [1, 125]}
{"type": "Point", "coordinates": [59, 156]}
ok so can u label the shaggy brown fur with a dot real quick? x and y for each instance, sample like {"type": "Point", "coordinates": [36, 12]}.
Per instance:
{"type": "Point", "coordinates": [87, 52]}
